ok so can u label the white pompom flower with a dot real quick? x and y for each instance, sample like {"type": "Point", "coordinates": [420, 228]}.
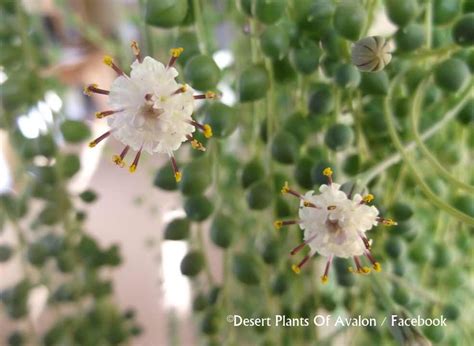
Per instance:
{"type": "Point", "coordinates": [149, 110]}
{"type": "Point", "coordinates": [334, 225]}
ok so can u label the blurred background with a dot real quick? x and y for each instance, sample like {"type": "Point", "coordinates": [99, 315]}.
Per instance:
{"type": "Point", "coordinates": [87, 253]}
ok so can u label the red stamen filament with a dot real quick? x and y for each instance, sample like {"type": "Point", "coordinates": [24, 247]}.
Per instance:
{"type": "Point", "coordinates": [134, 165]}
{"type": "Point", "coordinates": [177, 173]}
{"type": "Point", "coordinates": [99, 139]}
{"type": "Point", "coordinates": [118, 159]}
{"type": "Point", "coordinates": [92, 88]}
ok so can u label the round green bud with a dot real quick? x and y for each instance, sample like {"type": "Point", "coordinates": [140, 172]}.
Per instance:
{"type": "Point", "coordinates": [410, 38]}
{"type": "Point", "coordinates": [222, 230]}
{"type": "Point", "coordinates": [351, 165]}
{"type": "Point", "coordinates": [306, 59]}
{"type": "Point", "coordinates": [321, 100]}
{"type": "Point", "coordinates": [202, 72]}
{"type": "Point", "coordinates": [165, 13]}
{"type": "Point", "coordinates": [275, 42]}
{"type": "Point", "coordinates": [189, 41]}
{"type": "Point", "coordinates": [463, 30]}
{"type": "Point", "coordinates": [284, 148]}
{"type": "Point", "coordinates": [178, 229]}
{"type": "Point", "coordinates": [74, 131]}
{"type": "Point", "coordinates": [303, 172]}
{"type": "Point", "coordinates": [259, 195]}
{"type": "Point", "coordinates": [253, 83]}
{"type": "Point", "coordinates": [339, 137]}
{"type": "Point", "coordinates": [192, 263]}
{"type": "Point", "coordinates": [451, 74]}
{"type": "Point", "coordinates": [6, 252]}
{"type": "Point", "coordinates": [466, 114]}
{"type": "Point", "coordinates": [252, 172]}
{"type": "Point", "coordinates": [375, 83]}
{"type": "Point", "coordinates": [164, 178]}
{"type": "Point", "coordinates": [401, 12]}
{"type": "Point", "coordinates": [444, 11]}
{"type": "Point", "coordinates": [195, 178]}
{"type": "Point", "coordinates": [347, 76]}
{"type": "Point", "coordinates": [269, 11]}
{"type": "Point", "coordinates": [222, 118]}
{"type": "Point", "coordinates": [198, 208]}
{"type": "Point", "coordinates": [349, 20]}
{"type": "Point", "coordinates": [246, 269]}
{"type": "Point", "coordinates": [88, 196]}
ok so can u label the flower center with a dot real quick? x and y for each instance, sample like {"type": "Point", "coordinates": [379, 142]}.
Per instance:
{"type": "Point", "coordinates": [148, 109]}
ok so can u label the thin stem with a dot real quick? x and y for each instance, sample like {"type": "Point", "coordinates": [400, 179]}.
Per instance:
{"type": "Point", "coordinates": [428, 23]}
{"type": "Point", "coordinates": [414, 117]}
{"type": "Point", "coordinates": [199, 26]}
{"type": "Point", "coordinates": [202, 248]}
{"type": "Point", "coordinates": [433, 198]}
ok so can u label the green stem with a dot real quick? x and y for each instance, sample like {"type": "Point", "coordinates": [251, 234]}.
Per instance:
{"type": "Point", "coordinates": [367, 176]}
{"type": "Point", "coordinates": [428, 23]}
{"type": "Point", "coordinates": [414, 117]}
{"type": "Point", "coordinates": [199, 26]}
{"type": "Point", "coordinates": [433, 198]}
{"type": "Point", "coordinates": [202, 248]}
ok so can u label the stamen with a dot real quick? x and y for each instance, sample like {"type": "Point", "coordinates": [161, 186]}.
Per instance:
{"type": "Point", "coordinates": [297, 268]}
{"type": "Point", "coordinates": [136, 50]}
{"type": "Point", "coordinates": [118, 159]}
{"type": "Point", "coordinates": [103, 114]}
{"type": "Point", "coordinates": [110, 62]}
{"type": "Point", "coordinates": [367, 198]}
{"type": "Point", "coordinates": [302, 245]}
{"type": "Point", "coordinates": [325, 277]}
{"type": "Point", "coordinates": [175, 53]}
{"type": "Point", "coordinates": [99, 139]}
{"type": "Point", "coordinates": [361, 269]}
{"type": "Point", "coordinates": [387, 222]}
{"type": "Point", "coordinates": [376, 265]}
{"type": "Point", "coordinates": [331, 207]}
{"type": "Point", "coordinates": [134, 165]}
{"type": "Point", "coordinates": [279, 223]}
{"type": "Point", "coordinates": [366, 242]}
{"type": "Point", "coordinates": [93, 88]}
{"type": "Point", "coordinates": [308, 204]}
{"type": "Point", "coordinates": [177, 173]}
{"type": "Point", "coordinates": [180, 90]}
{"type": "Point", "coordinates": [195, 144]}
{"type": "Point", "coordinates": [328, 173]}
{"type": "Point", "coordinates": [208, 95]}
{"type": "Point", "coordinates": [286, 189]}
{"type": "Point", "coordinates": [206, 128]}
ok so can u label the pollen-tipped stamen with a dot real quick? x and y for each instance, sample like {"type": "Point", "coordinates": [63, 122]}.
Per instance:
{"type": "Point", "coordinates": [93, 88]}
{"type": "Point", "coordinates": [134, 165]}
{"type": "Point", "coordinates": [325, 276]}
{"type": "Point", "coordinates": [297, 267]}
{"type": "Point", "coordinates": [360, 269]}
{"type": "Point", "coordinates": [103, 114]}
{"type": "Point", "coordinates": [366, 242]}
{"type": "Point", "coordinates": [99, 139]}
{"type": "Point", "coordinates": [206, 128]}
{"type": "Point", "coordinates": [367, 199]}
{"type": "Point", "coordinates": [302, 245]}
{"type": "Point", "coordinates": [286, 189]}
{"type": "Point", "coordinates": [208, 95]}
{"type": "Point", "coordinates": [118, 159]}
{"type": "Point", "coordinates": [279, 223]}
{"type": "Point", "coordinates": [175, 53]}
{"type": "Point", "coordinates": [110, 62]}
{"type": "Point", "coordinates": [387, 222]}
{"type": "Point", "coordinates": [195, 144]}
{"type": "Point", "coordinates": [177, 173]}
{"type": "Point", "coordinates": [328, 173]}
{"type": "Point", "coordinates": [376, 265]}
{"type": "Point", "coordinates": [136, 50]}
{"type": "Point", "coordinates": [180, 90]}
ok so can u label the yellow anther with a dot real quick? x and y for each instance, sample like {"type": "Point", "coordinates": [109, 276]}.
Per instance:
{"type": "Point", "coordinates": [92, 144]}
{"type": "Point", "coordinates": [327, 171]}
{"type": "Point", "coordinates": [132, 168]}
{"type": "Point", "coordinates": [176, 52]}
{"type": "Point", "coordinates": [285, 188]}
{"type": "Point", "coordinates": [108, 60]}
{"type": "Point", "coordinates": [295, 269]}
{"type": "Point", "coordinates": [87, 89]}
{"type": "Point", "coordinates": [278, 224]}
{"type": "Point", "coordinates": [177, 176]}
{"type": "Point", "coordinates": [365, 270]}
{"type": "Point", "coordinates": [377, 267]}
{"type": "Point", "coordinates": [324, 279]}
{"type": "Point", "coordinates": [331, 207]}
{"type": "Point", "coordinates": [210, 95]}
{"type": "Point", "coordinates": [368, 198]}
{"type": "Point", "coordinates": [99, 115]}
{"type": "Point", "coordinates": [118, 161]}
{"type": "Point", "coordinates": [184, 87]}
{"type": "Point", "coordinates": [195, 144]}
{"type": "Point", "coordinates": [350, 269]}
{"type": "Point", "coordinates": [389, 222]}
{"type": "Point", "coordinates": [207, 131]}
{"type": "Point", "coordinates": [306, 203]}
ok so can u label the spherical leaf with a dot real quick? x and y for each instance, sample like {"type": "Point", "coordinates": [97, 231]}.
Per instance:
{"type": "Point", "coordinates": [375, 83]}
{"type": "Point", "coordinates": [253, 83]}
{"type": "Point", "coordinates": [198, 208]}
{"type": "Point", "coordinates": [339, 137]}
{"type": "Point", "coordinates": [401, 12]}
{"type": "Point", "coordinates": [410, 38]}
{"type": "Point", "coordinates": [195, 177]}
{"type": "Point", "coordinates": [451, 74]}
{"type": "Point", "coordinates": [284, 148]}
{"type": "Point", "coordinates": [189, 41]}
{"type": "Point", "coordinates": [202, 72]}
{"type": "Point", "coordinates": [246, 269]}
{"type": "Point", "coordinates": [74, 131]}
{"type": "Point", "coordinates": [269, 11]}
{"type": "Point", "coordinates": [252, 172]}
{"type": "Point", "coordinates": [222, 118]}
{"type": "Point", "coordinates": [164, 178]}
{"type": "Point", "coordinates": [178, 229]}
{"type": "Point", "coordinates": [192, 263]}
{"type": "Point", "coordinates": [259, 195]}
{"type": "Point", "coordinates": [349, 20]}
{"type": "Point", "coordinates": [275, 42]}
{"type": "Point", "coordinates": [222, 230]}
{"type": "Point", "coordinates": [444, 11]}
{"type": "Point", "coordinates": [165, 13]}
{"type": "Point", "coordinates": [347, 76]}
{"type": "Point", "coordinates": [306, 59]}
{"type": "Point", "coordinates": [463, 30]}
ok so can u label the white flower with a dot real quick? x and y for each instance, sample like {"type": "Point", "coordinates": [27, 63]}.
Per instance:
{"type": "Point", "coordinates": [150, 111]}
{"type": "Point", "coordinates": [335, 224]}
